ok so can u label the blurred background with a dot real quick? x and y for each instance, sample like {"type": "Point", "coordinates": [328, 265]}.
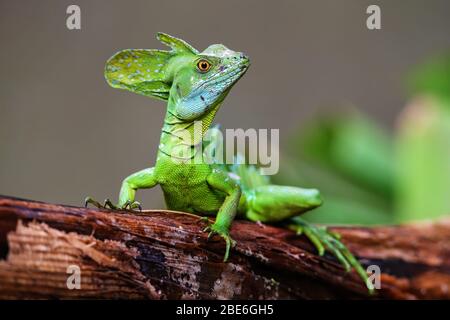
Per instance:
{"type": "Point", "coordinates": [364, 115]}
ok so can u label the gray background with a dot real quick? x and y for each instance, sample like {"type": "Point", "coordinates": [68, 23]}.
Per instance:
{"type": "Point", "coordinates": [65, 134]}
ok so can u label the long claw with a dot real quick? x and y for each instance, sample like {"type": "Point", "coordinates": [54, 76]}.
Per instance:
{"type": "Point", "coordinates": [352, 260]}
{"type": "Point", "coordinates": [314, 238]}
{"type": "Point", "coordinates": [108, 203]}
{"type": "Point", "coordinates": [213, 229]}
{"type": "Point", "coordinates": [135, 205]}
{"type": "Point", "coordinates": [227, 249]}
{"type": "Point", "coordinates": [138, 206]}
{"type": "Point", "coordinates": [336, 235]}
{"type": "Point", "coordinates": [324, 239]}
{"type": "Point", "coordinates": [130, 206]}
{"type": "Point", "coordinates": [89, 200]}
{"type": "Point", "coordinates": [338, 254]}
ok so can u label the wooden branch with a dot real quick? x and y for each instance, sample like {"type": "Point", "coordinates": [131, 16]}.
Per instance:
{"type": "Point", "coordinates": [162, 254]}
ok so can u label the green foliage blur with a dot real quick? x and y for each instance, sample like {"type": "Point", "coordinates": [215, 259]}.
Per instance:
{"type": "Point", "coordinates": [370, 176]}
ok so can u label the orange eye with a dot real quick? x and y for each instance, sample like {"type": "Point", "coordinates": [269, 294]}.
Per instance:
{"type": "Point", "coordinates": [203, 65]}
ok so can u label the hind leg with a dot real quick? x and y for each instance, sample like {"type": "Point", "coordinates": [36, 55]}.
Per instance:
{"type": "Point", "coordinates": [271, 203]}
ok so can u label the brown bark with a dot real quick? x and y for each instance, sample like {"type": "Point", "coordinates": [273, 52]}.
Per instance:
{"type": "Point", "coordinates": [164, 254]}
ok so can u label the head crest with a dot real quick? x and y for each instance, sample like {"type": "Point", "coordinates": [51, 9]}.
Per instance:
{"type": "Point", "coordinates": [143, 71]}
{"type": "Point", "coordinates": [177, 45]}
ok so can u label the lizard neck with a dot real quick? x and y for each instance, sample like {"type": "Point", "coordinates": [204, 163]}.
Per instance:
{"type": "Point", "coordinates": [181, 139]}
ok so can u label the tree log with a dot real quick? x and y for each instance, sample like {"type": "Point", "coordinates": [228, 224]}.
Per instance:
{"type": "Point", "coordinates": [160, 254]}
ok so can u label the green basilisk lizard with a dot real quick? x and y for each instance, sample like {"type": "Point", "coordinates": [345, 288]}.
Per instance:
{"type": "Point", "coordinates": [194, 84]}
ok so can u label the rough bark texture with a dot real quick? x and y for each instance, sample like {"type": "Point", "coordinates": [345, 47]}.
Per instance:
{"type": "Point", "coordinates": [163, 254]}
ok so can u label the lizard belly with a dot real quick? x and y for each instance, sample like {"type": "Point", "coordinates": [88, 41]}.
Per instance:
{"type": "Point", "coordinates": [185, 187]}
{"type": "Point", "coordinates": [198, 199]}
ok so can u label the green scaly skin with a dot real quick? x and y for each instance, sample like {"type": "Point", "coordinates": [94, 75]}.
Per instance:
{"type": "Point", "coordinates": [194, 93]}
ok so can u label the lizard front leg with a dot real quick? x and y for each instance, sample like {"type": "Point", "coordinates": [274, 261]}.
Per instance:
{"type": "Point", "coordinates": [219, 180]}
{"type": "Point", "coordinates": [143, 179]}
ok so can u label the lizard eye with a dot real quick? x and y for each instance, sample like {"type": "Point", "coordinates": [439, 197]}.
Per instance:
{"type": "Point", "coordinates": [203, 65]}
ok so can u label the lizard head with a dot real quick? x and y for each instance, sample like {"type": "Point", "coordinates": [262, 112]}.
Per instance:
{"type": "Point", "coordinates": [193, 82]}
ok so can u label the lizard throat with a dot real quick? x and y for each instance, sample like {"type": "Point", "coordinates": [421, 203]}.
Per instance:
{"type": "Point", "coordinates": [182, 140]}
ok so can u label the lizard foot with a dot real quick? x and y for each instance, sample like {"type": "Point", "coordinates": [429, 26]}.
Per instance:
{"type": "Point", "coordinates": [214, 228]}
{"type": "Point", "coordinates": [129, 205]}
{"type": "Point", "coordinates": [325, 240]}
